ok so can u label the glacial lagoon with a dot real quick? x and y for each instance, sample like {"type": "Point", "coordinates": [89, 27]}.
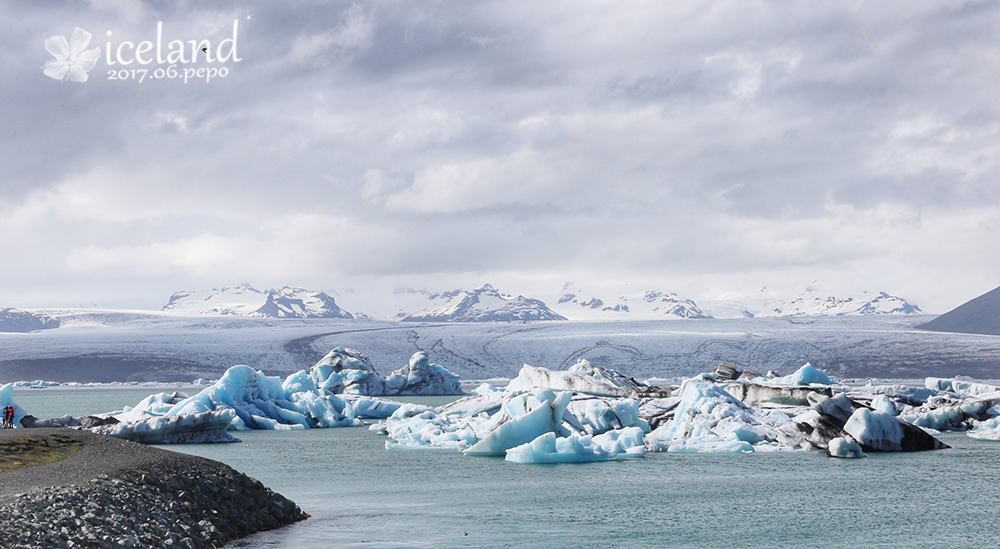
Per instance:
{"type": "Point", "coordinates": [361, 495]}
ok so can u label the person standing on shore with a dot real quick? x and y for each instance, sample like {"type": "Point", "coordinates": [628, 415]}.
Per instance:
{"type": "Point", "coordinates": [8, 417]}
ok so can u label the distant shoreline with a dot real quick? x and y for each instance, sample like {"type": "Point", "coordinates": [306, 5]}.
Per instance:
{"type": "Point", "coordinates": [118, 493]}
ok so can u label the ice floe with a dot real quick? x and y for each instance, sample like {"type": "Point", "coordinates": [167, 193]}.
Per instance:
{"type": "Point", "coordinates": [546, 416]}
{"type": "Point", "coordinates": [347, 371]}
{"type": "Point", "coordinates": [585, 413]}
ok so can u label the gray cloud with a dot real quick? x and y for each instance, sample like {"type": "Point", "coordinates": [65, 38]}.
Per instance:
{"type": "Point", "coordinates": [672, 143]}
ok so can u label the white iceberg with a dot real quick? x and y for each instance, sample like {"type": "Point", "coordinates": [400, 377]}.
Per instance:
{"type": "Point", "coordinates": [881, 432]}
{"type": "Point", "coordinates": [582, 378]}
{"type": "Point", "coordinates": [805, 375]}
{"type": "Point", "coordinates": [420, 377]}
{"type": "Point", "coordinates": [347, 371]}
{"type": "Point", "coordinates": [350, 372]}
{"type": "Point", "coordinates": [257, 401]}
{"type": "Point", "coordinates": [7, 399]}
{"type": "Point", "coordinates": [709, 419]}
{"type": "Point", "coordinates": [492, 421]}
{"type": "Point", "coordinates": [844, 448]}
{"type": "Point", "coordinates": [519, 426]}
{"type": "Point", "coordinates": [193, 428]}
{"type": "Point", "coordinates": [959, 386]}
{"type": "Point", "coordinates": [986, 430]}
{"type": "Point", "coordinates": [576, 448]}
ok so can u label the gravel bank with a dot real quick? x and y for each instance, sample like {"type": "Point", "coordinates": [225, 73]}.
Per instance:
{"type": "Point", "coordinates": [115, 493]}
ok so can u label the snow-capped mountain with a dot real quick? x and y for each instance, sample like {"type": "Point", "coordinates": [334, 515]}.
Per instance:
{"type": "Point", "coordinates": [579, 304]}
{"type": "Point", "coordinates": [484, 304]}
{"type": "Point", "coordinates": [245, 300]}
{"type": "Point", "coordinates": [576, 303]}
{"type": "Point", "coordinates": [810, 303]}
{"type": "Point", "coordinates": [14, 320]}
{"type": "Point", "coordinates": [882, 304]}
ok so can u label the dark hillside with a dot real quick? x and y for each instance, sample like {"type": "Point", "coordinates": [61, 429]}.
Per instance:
{"type": "Point", "coordinates": [977, 316]}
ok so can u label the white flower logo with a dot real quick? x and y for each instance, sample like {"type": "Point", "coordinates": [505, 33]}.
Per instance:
{"type": "Point", "coordinates": [72, 62]}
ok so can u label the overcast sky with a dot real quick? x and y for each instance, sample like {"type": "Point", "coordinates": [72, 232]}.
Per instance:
{"type": "Point", "coordinates": [704, 148]}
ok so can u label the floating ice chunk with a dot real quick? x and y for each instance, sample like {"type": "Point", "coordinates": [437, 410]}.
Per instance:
{"type": "Point", "coordinates": [487, 403]}
{"type": "Point", "coordinates": [420, 377]}
{"type": "Point", "coordinates": [152, 406]}
{"type": "Point", "coordinates": [579, 381]}
{"type": "Point", "coordinates": [348, 371]}
{"type": "Point", "coordinates": [598, 415]}
{"type": "Point", "coordinates": [606, 376]}
{"type": "Point", "coordinates": [805, 375]}
{"type": "Point", "coordinates": [709, 419]}
{"type": "Point", "coordinates": [704, 444]}
{"type": "Point", "coordinates": [656, 411]}
{"type": "Point", "coordinates": [371, 407]}
{"type": "Point", "coordinates": [517, 430]}
{"type": "Point", "coordinates": [844, 448]}
{"type": "Point", "coordinates": [880, 432]}
{"type": "Point", "coordinates": [769, 396]}
{"type": "Point", "coordinates": [959, 386]}
{"type": "Point", "coordinates": [882, 403]}
{"type": "Point", "coordinates": [952, 413]}
{"type": "Point", "coordinates": [576, 448]}
{"type": "Point", "coordinates": [263, 402]}
{"type": "Point", "coordinates": [416, 426]}
{"type": "Point", "coordinates": [37, 383]}
{"type": "Point", "coordinates": [486, 388]}
{"type": "Point", "coordinates": [904, 394]}
{"type": "Point", "coordinates": [193, 428]}
{"type": "Point", "coordinates": [986, 430]}
{"type": "Point", "coordinates": [7, 399]}
{"type": "Point", "coordinates": [696, 412]}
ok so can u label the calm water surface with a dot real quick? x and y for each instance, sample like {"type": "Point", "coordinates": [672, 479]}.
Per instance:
{"type": "Point", "coordinates": [361, 495]}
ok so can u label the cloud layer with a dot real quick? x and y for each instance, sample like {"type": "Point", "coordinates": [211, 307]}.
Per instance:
{"type": "Point", "coordinates": [700, 147]}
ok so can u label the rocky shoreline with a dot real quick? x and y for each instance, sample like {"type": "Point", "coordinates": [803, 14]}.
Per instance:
{"type": "Point", "coordinates": [114, 493]}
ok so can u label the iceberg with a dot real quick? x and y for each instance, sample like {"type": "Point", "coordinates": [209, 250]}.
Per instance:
{"type": "Point", "coordinates": [881, 432]}
{"type": "Point", "coordinates": [600, 415]}
{"type": "Point", "coordinates": [491, 421]}
{"type": "Point", "coordinates": [7, 399]}
{"type": "Point", "coordinates": [333, 393]}
{"type": "Point", "coordinates": [709, 419]}
{"type": "Point", "coordinates": [583, 379]}
{"type": "Point", "coordinates": [257, 401]}
{"type": "Point", "coordinates": [844, 448]}
{"type": "Point", "coordinates": [952, 412]}
{"type": "Point", "coordinates": [806, 375]}
{"type": "Point", "coordinates": [198, 427]}
{"type": "Point", "coordinates": [987, 430]}
{"type": "Point", "coordinates": [762, 395]}
{"type": "Point", "coordinates": [704, 444]}
{"type": "Point", "coordinates": [420, 377]}
{"type": "Point", "coordinates": [518, 427]}
{"type": "Point", "coordinates": [576, 448]}
{"type": "Point", "coordinates": [882, 403]}
{"type": "Point", "coordinates": [347, 371]}
{"type": "Point", "coordinates": [959, 386]}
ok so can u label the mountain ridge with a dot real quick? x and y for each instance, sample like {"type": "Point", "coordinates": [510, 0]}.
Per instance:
{"type": "Point", "coordinates": [245, 300]}
{"type": "Point", "coordinates": [484, 304]}
{"type": "Point", "coordinates": [979, 315]}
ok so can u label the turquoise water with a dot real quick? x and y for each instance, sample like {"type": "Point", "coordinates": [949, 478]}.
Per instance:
{"type": "Point", "coordinates": [361, 495]}
{"type": "Point", "coordinates": [83, 401]}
